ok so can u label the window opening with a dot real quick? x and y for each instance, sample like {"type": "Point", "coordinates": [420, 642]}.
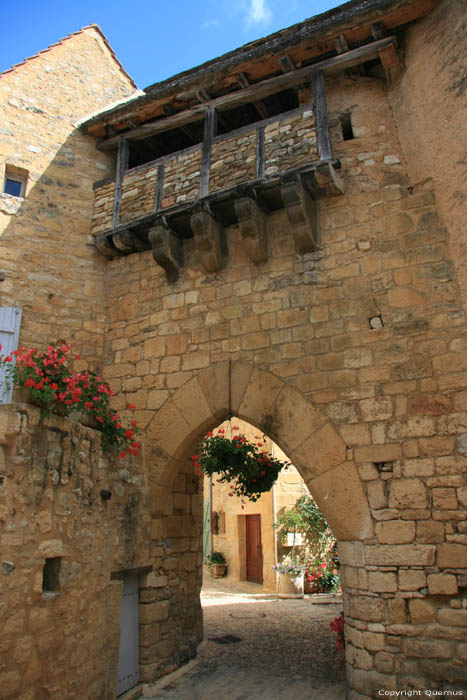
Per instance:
{"type": "Point", "coordinates": [14, 183]}
{"type": "Point", "coordinates": [346, 124]}
{"type": "Point", "coordinates": [51, 575]}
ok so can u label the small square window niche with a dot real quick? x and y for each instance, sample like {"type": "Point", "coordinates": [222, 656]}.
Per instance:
{"type": "Point", "coordinates": [15, 180]}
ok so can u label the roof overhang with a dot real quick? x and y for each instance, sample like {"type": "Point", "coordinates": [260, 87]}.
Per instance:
{"type": "Point", "coordinates": [357, 22]}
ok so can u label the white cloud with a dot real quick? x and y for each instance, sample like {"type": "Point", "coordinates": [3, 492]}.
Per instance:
{"type": "Point", "coordinates": [258, 12]}
{"type": "Point", "coordinates": [210, 23]}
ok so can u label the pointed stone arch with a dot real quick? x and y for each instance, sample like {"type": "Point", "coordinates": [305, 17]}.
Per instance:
{"type": "Point", "coordinates": [302, 430]}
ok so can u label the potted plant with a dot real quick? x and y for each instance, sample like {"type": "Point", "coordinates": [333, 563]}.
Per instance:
{"type": "Point", "coordinates": [291, 577]}
{"type": "Point", "coordinates": [249, 468]}
{"type": "Point", "coordinates": [217, 564]}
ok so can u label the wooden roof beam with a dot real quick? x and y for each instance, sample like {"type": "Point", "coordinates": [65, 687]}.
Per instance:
{"type": "Point", "coordinates": [259, 106]}
{"type": "Point", "coordinates": [286, 64]}
{"type": "Point", "coordinates": [253, 92]}
{"type": "Point", "coordinates": [203, 96]}
{"type": "Point", "coordinates": [342, 46]}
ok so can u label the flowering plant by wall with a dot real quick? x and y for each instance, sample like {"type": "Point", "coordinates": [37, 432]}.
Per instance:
{"type": "Point", "coordinates": [56, 389]}
{"type": "Point", "coordinates": [324, 576]}
{"type": "Point", "coordinates": [337, 626]}
{"type": "Point", "coordinates": [289, 565]}
{"type": "Point", "coordinates": [249, 468]}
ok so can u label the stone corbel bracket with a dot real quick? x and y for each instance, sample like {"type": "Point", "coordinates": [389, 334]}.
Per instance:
{"type": "Point", "coordinates": [167, 250]}
{"type": "Point", "coordinates": [126, 242]}
{"type": "Point", "coordinates": [302, 215]}
{"type": "Point", "coordinates": [210, 239]}
{"type": "Point", "coordinates": [328, 180]}
{"type": "Point", "coordinates": [105, 246]}
{"type": "Point", "coordinates": [252, 222]}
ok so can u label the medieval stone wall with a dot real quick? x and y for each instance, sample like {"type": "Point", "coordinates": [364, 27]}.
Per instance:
{"type": "Point", "coordinates": [352, 358]}
{"type": "Point", "coordinates": [430, 103]}
{"type": "Point", "coordinates": [369, 329]}
{"type": "Point", "coordinates": [52, 474]}
{"type": "Point", "coordinates": [48, 269]}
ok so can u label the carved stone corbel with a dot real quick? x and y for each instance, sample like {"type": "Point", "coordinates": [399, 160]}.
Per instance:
{"type": "Point", "coordinates": [127, 242]}
{"type": "Point", "coordinates": [167, 250]}
{"type": "Point", "coordinates": [210, 240]}
{"type": "Point", "coordinates": [252, 222]}
{"type": "Point", "coordinates": [328, 179]}
{"type": "Point", "coordinates": [105, 247]}
{"type": "Point", "coordinates": [302, 216]}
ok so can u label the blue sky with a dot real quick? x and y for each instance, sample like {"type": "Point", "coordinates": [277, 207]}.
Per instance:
{"type": "Point", "coordinates": [153, 39]}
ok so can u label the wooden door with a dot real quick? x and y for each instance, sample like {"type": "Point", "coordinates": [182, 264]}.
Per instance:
{"type": "Point", "coordinates": [254, 552]}
{"type": "Point", "coordinates": [128, 662]}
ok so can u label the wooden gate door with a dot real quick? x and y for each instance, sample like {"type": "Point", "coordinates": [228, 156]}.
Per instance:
{"type": "Point", "coordinates": [128, 658]}
{"type": "Point", "coordinates": [254, 552]}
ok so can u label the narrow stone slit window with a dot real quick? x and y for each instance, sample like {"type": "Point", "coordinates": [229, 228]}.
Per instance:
{"type": "Point", "coordinates": [346, 124]}
{"type": "Point", "coordinates": [51, 575]}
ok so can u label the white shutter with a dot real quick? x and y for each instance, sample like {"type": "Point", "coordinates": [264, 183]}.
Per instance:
{"type": "Point", "coordinates": [10, 321]}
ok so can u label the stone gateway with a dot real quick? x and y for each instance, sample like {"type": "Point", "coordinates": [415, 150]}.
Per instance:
{"type": "Point", "coordinates": [277, 235]}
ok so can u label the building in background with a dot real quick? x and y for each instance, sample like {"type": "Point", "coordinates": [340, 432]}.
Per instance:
{"type": "Point", "coordinates": [244, 530]}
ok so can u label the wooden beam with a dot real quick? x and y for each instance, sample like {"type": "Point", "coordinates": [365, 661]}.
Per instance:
{"type": "Point", "coordinates": [122, 166]}
{"type": "Point", "coordinates": [169, 111]}
{"type": "Point", "coordinates": [259, 106]}
{"type": "Point", "coordinates": [340, 42]}
{"type": "Point", "coordinates": [378, 30]}
{"type": "Point", "coordinates": [159, 186]}
{"type": "Point", "coordinates": [286, 64]}
{"type": "Point", "coordinates": [342, 46]}
{"type": "Point", "coordinates": [321, 115]}
{"type": "Point", "coordinates": [209, 133]}
{"type": "Point", "coordinates": [255, 92]}
{"type": "Point", "coordinates": [390, 61]}
{"type": "Point", "coordinates": [260, 152]}
{"type": "Point", "coordinates": [202, 95]}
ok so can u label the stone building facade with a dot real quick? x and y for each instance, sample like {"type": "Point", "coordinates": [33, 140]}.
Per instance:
{"type": "Point", "coordinates": [302, 269]}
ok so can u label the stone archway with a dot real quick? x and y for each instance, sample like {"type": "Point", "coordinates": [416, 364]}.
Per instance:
{"type": "Point", "coordinates": [302, 430]}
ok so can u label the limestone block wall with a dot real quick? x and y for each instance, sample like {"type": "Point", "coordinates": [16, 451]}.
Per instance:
{"type": "Point", "coordinates": [47, 267]}
{"type": "Point", "coordinates": [182, 177]}
{"type": "Point", "coordinates": [52, 474]}
{"type": "Point", "coordinates": [233, 160]}
{"type": "Point", "coordinates": [171, 622]}
{"type": "Point", "coordinates": [290, 141]}
{"type": "Point", "coordinates": [429, 108]}
{"type": "Point", "coordinates": [367, 337]}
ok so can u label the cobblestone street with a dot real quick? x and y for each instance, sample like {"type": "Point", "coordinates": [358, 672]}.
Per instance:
{"type": "Point", "coordinates": [259, 647]}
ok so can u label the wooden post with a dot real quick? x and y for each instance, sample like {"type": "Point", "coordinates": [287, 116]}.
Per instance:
{"type": "Point", "coordinates": [210, 123]}
{"type": "Point", "coordinates": [159, 186]}
{"type": "Point", "coordinates": [122, 166]}
{"type": "Point", "coordinates": [260, 152]}
{"type": "Point", "coordinates": [321, 115]}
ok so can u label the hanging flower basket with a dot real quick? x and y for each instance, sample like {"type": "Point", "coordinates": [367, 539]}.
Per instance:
{"type": "Point", "coordinates": [248, 468]}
